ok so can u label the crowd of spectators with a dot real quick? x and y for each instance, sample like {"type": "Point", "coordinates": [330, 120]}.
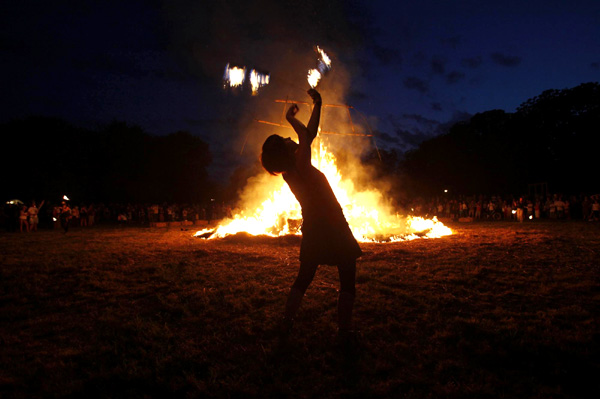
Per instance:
{"type": "Point", "coordinates": [22, 217]}
{"type": "Point", "coordinates": [496, 207]}
{"type": "Point", "coordinates": [17, 216]}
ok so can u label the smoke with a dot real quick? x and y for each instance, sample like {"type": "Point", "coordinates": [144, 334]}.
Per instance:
{"type": "Point", "coordinates": [274, 37]}
{"type": "Point", "coordinates": [278, 38]}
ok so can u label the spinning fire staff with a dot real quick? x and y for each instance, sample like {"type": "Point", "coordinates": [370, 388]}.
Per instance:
{"type": "Point", "coordinates": [326, 236]}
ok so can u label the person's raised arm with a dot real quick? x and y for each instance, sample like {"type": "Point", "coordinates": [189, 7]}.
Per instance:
{"type": "Point", "coordinates": [315, 117]}
{"type": "Point", "coordinates": [298, 126]}
{"type": "Point", "coordinates": [302, 154]}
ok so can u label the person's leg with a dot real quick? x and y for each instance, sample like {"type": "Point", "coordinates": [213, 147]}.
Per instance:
{"type": "Point", "coordinates": [347, 274]}
{"type": "Point", "coordinates": [305, 276]}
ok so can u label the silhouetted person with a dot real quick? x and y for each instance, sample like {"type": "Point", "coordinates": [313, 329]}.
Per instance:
{"type": "Point", "coordinates": [33, 213]}
{"type": "Point", "coordinates": [23, 219]}
{"type": "Point", "coordinates": [65, 216]}
{"type": "Point", "coordinates": [326, 236]}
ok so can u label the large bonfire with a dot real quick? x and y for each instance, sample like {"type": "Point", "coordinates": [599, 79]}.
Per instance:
{"type": "Point", "coordinates": [269, 208]}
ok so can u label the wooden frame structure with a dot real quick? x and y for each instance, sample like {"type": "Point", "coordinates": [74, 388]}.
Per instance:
{"type": "Point", "coordinates": [348, 108]}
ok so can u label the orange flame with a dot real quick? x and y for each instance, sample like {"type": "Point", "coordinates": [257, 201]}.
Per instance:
{"type": "Point", "coordinates": [323, 65]}
{"type": "Point", "coordinates": [277, 213]}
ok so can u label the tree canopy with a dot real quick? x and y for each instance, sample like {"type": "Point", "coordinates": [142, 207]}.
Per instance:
{"type": "Point", "coordinates": [552, 138]}
{"type": "Point", "coordinates": [48, 157]}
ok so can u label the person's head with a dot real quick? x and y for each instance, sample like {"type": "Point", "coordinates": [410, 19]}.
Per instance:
{"type": "Point", "coordinates": [278, 154]}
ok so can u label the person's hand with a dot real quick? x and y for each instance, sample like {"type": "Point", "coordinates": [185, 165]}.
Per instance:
{"type": "Point", "coordinates": [292, 111]}
{"type": "Point", "coordinates": [316, 97]}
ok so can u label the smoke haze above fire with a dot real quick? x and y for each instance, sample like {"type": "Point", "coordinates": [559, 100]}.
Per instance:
{"type": "Point", "coordinates": [412, 68]}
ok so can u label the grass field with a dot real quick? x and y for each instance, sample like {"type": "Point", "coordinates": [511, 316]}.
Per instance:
{"type": "Point", "coordinates": [497, 310]}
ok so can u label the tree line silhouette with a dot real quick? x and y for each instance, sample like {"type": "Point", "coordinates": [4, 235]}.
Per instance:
{"type": "Point", "coordinates": [48, 158]}
{"type": "Point", "coordinates": [553, 138]}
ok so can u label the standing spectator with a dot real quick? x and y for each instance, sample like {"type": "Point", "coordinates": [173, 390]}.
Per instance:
{"type": "Point", "coordinates": [91, 212]}
{"type": "Point", "coordinates": [142, 215]}
{"type": "Point", "coordinates": [595, 216]}
{"type": "Point", "coordinates": [33, 213]}
{"type": "Point", "coordinates": [520, 210]}
{"type": "Point", "coordinates": [23, 215]}
{"type": "Point", "coordinates": [586, 208]}
{"type": "Point", "coordinates": [506, 210]}
{"type": "Point", "coordinates": [83, 216]}
{"type": "Point", "coordinates": [491, 208]}
{"type": "Point", "coordinates": [529, 209]}
{"type": "Point", "coordinates": [560, 207]}
{"type": "Point", "coordinates": [75, 215]}
{"type": "Point", "coordinates": [65, 216]}
{"type": "Point", "coordinates": [552, 210]}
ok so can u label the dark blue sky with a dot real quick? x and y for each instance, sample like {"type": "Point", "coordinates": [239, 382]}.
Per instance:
{"type": "Point", "coordinates": [410, 67]}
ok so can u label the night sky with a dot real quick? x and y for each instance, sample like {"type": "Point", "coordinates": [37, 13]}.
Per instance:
{"type": "Point", "coordinates": [411, 68]}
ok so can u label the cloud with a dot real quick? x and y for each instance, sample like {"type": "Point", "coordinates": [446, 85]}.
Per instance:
{"type": "Point", "coordinates": [417, 84]}
{"type": "Point", "coordinates": [438, 65]}
{"type": "Point", "coordinates": [357, 95]}
{"type": "Point", "coordinates": [436, 106]}
{"type": "Point", "coordinates": [454, 77]}
{"type": "Point", "coordinates": [411, 138]}
{"type": "Point", "coordinates": [388, 138]}
{"type": "Point", "coordinates": [418, 59]}
{"type": "Point", "coordinates": [387, 56]}
{"type": "Point", "coordinates": [424, 122]}
{"type": "Point", "coordinates": [506, 60]}
{"type": "Point", "coordinates": [453, 41]}
{"type": "Point", "coordinates": [472, 62]}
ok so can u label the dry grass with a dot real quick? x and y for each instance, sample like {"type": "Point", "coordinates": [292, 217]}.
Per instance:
{"type": "Point", "coordinates": [498, 310]}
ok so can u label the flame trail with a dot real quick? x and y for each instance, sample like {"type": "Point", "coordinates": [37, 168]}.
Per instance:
{"type": "Point", "coordinates": [258, 80]}
{"type": "Point", "coordinates": [323, 66]}
{"type": "Point", "coordinates": [234, 76]}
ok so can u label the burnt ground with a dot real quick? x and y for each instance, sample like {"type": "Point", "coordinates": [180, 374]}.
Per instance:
{"type": "Point", "coordinates": [497, 310]}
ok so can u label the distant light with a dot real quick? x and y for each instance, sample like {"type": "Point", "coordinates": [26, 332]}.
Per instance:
{"type": "Point", "coordinates": [66, 198]}
{"type": "Point", "coordinates": [514, 211]}
{"type": "Point", "coordinates": [445, 191]}
{"type": "Point", "coordinates": [530, 217]}
{"type": "Point", "coordinates": [54, 219]}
